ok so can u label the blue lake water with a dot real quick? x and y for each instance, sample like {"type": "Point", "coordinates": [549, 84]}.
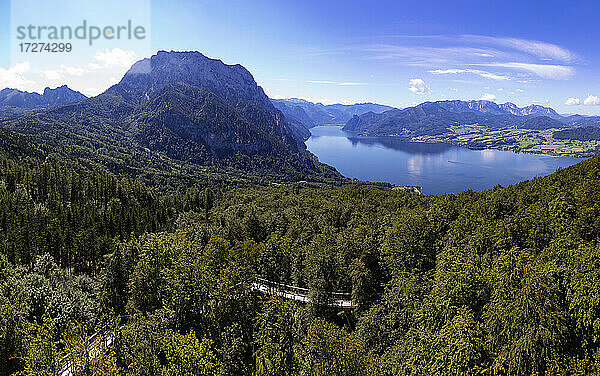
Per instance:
{"type": "Point", "coordinates": [438, 168]}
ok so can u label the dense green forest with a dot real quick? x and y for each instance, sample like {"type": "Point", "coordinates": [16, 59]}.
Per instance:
{"type": "Point", "coordinates": [504, 282]}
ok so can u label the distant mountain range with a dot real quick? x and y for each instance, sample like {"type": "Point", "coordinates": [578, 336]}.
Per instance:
{"type": "Point", "coordinates": [180, 113]}
{"type": "Point", "coordinates": [434, 118]}
{"type": "Point", "coordinates": [489, 107]}
{"type": "Point", "coordinates": [184, 116]}
{"type": "Point", "coordinates": [312, 114]}
{"type": "Point", "coordinates": [15, 102]}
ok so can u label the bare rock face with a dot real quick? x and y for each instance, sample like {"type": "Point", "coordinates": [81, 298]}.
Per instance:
{"type": "Point", "coordinates": [230, 82]}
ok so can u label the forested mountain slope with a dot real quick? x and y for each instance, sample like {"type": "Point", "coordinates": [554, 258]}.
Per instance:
{"type": "Point", "coordinates": [131, 215]}
{"type": "Point", "coordinates": [181, 113]}
{"type": "Point", "coordinates": [498, 282]}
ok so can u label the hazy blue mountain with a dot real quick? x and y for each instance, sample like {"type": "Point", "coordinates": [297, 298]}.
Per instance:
{"type": "Point", "coordinates": [15, 102]}
{"type": "Point", "coordinates": [582, 121]}
{"type": "Point", "coordinates": [489, 107]}
{"type": "Point", "coordinates": [188, 108]}
{"type": "Point", "coordinates": [433, 118]}
{"type": "Point", "coordinates": [312, 114]}
{"type": "Point", "coordinates": [292, 111]}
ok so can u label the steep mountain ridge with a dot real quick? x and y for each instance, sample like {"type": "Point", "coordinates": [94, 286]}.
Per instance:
{"type": "Point", "coordinates": [15, 102]}
{"type": "Point", "coordinates": [176, 109]}
{"type": "Point", "coordinates": [230, 82]}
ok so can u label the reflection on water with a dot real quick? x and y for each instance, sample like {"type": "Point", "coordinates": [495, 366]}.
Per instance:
{"type": "Point", "coordinates": [438, 168]}
{"type": "Point", "coordinates": [400, 145]}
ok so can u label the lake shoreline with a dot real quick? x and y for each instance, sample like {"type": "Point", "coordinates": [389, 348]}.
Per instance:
{"type": "Point", "coordinates": [474, 147]}
{"type": "Point", "coordinates": [448, 139]}
{"type": "Point", "coordinates": [437, 167]}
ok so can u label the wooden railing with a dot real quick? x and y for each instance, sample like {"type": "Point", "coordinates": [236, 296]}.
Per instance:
{"type": "Point", "coordinates": [340, 300]}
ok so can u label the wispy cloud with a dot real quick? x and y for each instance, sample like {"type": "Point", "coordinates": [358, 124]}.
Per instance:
{"type": "Point", "coordinates": [327, 82]}
{"type": "Point", "coordinates": [552, 71]}
{"type": "Point", "coordinates": [481, 73]}
{"type": "Point", "coordinates": [427, 56]}
{"type": "Point", "coordinates": [540, 49]}
{"type": "Point", "coordinates": [461, 54]}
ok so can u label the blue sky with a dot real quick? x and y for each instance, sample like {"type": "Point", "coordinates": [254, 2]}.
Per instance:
{"type": "Point", "coordinates": [394, 52]}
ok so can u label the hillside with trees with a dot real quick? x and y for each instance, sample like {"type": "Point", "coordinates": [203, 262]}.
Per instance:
{"type": "Point", "coordinates": [135, 225]}
{"type": "Point", "coordinates": [499, 282]}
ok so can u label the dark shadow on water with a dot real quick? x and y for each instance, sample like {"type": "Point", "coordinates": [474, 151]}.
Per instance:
{"type": "Point", "coordinates": [402, 145]}
{"type": "Point", "coordinates": [395, 143]}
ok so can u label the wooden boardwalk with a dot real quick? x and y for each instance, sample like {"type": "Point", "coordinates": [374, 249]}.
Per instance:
{"type": "Point", "coordinates": [338, 299]}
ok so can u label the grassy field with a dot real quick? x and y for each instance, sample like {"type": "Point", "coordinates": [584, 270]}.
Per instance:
{"type": "Point", "coordinates": [513, 139]}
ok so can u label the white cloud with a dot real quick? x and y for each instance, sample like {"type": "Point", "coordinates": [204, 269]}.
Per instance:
{"type": "Point", "coordinates": [500, 89]}
{"type": "Point", "coordinates": [90, 77]}
{"type": "Point", "coordinates": [51, 75]}
{"type": "Point", "coordinates": [480, 73]}
{"type": "Point", "coordinates": [113, 58]}
{"type": "Point", "coordinates": [73, 71]}
{"type": "Point", "coordinates": [94, 66]}
{"type": "Point", "coordinates": [573, 102]}
{"type": "Point", "coordinates": [454, 89]}
{"type": "Point", "coordinates": [418, 86]}
{"type": "Point", "coordinates": [520, 90]}
{"type": "Point", "coordinates": [488, 97]}
{"type": "Point", "coordinates": [13, 76]}
{"type": "Point", "coordinates": [591, 100]}
{"type": "Point", "coordinates": [557, 72]}
{"type": "Point", "coordinates": [57, 74]}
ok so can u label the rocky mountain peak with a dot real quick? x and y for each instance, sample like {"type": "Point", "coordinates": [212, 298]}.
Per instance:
{"type": "Point", "coordinates": [61, 95]}
{"type": "Point", "coordinates": [230, 82]}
